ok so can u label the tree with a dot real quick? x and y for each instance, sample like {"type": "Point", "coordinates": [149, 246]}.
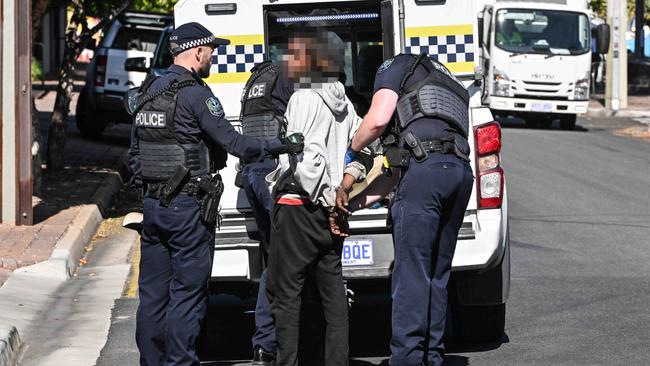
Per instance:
{"type": "Point", "coordinates": [77, 36]}
{"type": "Point", "coordinates": [163, 6]}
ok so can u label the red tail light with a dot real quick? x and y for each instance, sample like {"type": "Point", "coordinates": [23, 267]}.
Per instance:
{"type": "Point", "coordinates": [488, 138]}
{"type": "Point", "coordinates": [100, 70]}
{"type": "Point", "coordinates": [490, 174]}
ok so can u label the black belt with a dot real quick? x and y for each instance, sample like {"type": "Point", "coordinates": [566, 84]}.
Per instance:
{"type": "Point", "coordinates": [445, 147]}
{"type": "Point", "coordinates": [154, 190]}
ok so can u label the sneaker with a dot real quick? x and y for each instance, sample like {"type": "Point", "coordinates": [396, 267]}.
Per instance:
{"type": "Point", "coordinates": [263, 358]}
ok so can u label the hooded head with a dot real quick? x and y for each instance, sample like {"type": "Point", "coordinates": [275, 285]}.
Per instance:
{"type": "Point", "coordinates": [314, 56]}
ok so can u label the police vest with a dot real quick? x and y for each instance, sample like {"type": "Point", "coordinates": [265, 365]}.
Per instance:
{"type": "Point", "coordinates": [160, 152]}
{"type": "Point", "coordinates": [259, 117]}
{"type": "Point", "coordinates": [440, 95]}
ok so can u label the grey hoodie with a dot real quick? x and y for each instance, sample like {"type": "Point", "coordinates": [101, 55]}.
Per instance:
{"type": "Point", "coordinates": [327, 119]}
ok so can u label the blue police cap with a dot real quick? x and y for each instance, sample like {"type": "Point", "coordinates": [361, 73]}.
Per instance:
{"type": "Point", "coordinates": [190, 35]}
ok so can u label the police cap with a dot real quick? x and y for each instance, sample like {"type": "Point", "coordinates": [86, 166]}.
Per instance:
{"type": "Point", "coordinates": [190, 35]}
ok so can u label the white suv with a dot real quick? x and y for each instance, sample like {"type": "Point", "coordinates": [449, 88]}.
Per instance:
{"type": "Point", "coordinates": [133, 34]}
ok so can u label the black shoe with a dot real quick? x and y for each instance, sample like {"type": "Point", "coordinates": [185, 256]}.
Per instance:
{"type": "Point", "coordinates": [263, 358]}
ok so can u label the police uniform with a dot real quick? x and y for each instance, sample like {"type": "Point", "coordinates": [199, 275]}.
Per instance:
{"type": "Point", "coordinates": [178, 121]}
{"type": "Point", "coordinates": [429, 202]}
{"type": "Point", "coordinates": [264, 102]}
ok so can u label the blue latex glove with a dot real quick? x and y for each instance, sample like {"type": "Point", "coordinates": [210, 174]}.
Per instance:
{"type": "Point", "coordinates": [350, 155]}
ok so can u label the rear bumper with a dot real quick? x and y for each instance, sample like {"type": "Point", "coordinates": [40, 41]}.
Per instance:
{"type": "Point", "coordinates": [239, 258]}
{"type": "Point", "coordinates": [538, 105]}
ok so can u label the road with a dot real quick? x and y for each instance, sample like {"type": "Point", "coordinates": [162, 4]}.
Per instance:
{"type": "Point", "coordinates": [579, 226]}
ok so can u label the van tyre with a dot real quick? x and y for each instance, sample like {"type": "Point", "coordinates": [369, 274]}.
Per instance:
{"type": "Point", "coordinates": [568, 122]}
{"type": "Point", "coordinates": [90, 127]}
{"type": "Point", "coordinates": [479, 323]}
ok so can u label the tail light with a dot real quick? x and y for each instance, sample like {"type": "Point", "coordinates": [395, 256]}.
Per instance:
{"type": "Point", "coordinates": [490, 174]}
{"type": "Point", "coordinates": [100, 70]}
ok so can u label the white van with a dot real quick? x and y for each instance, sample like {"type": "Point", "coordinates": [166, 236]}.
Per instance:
{"type": "Point", "coordinates": [372, 32]}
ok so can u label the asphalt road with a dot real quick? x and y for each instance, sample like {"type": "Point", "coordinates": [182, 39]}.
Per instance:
{"type": "Point", "coordinates": [580, 235]}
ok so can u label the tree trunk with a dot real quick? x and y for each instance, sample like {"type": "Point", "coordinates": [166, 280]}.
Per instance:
{"type": "Point", "coordinates": [56, 136]}
{"type": "Point", "coordinates": [75, 42]}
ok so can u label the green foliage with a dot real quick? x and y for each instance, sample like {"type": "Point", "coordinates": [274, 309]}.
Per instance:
{"type": "Point", "coordinates": [37, 70]}
{"type": "Point", "coordinates": [163, 6]}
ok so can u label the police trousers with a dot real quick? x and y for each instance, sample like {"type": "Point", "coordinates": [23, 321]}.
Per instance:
{"type": "Point", "coordinates": [176, 260]}
{"type": "Point", "coordinates": [427, 212]}
{"type": "Point", "coordinates": [302, 246]}
{"type": "Point", "coordinates": [261, 202]}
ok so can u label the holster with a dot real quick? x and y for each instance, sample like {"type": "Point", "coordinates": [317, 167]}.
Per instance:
{"type": "Point", "coordinates": [210, 193]}
{"type": "Point", "coordinates": [174, 185]}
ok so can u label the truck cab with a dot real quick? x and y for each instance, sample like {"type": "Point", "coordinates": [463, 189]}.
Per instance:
{"type": "Point", "coordinates": [372, 31]}
{"type": "Point", "coordinates": [537, 59]}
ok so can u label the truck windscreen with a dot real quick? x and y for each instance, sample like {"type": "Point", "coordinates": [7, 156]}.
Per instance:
{"type": "Point", "coordinates": [357, 23]}
{"type": "Point", "coordinates": [548, 32]}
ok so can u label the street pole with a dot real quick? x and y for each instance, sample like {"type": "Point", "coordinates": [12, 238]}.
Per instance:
{"type": "Point", "coordinates": [616, 93]}
{"type": "Point", "coordinates": [639, 22]}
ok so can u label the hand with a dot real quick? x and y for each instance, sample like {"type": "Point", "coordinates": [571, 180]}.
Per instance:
{"type": "Point", "coordinates": [339, 224]}
{"type": "Point", "coordinates": [293, 144]}
{"type": "Point", "coordinates": [342, 200]}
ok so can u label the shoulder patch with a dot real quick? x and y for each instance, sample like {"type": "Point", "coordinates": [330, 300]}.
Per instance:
{"type": "Point", "coordinates": [385, 65]}
{"type": "Point", "coordinates": [214, 106]}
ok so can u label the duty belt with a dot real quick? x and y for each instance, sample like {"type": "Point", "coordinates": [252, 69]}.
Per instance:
{"type": "Point", "coordinates": [154, 190]}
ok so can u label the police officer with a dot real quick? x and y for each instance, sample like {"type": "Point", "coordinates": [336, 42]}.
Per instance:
{"type": "Point", "coordinates": [426, 154]}
{"type": "Point", "coordinates": [179, 137]}
{"type": "Point", "coordinates": [264, 101]}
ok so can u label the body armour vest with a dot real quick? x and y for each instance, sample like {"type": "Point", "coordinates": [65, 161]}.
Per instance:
{"type": "Point", "coordinates": [259, 117]}
{"type": "Point", "coordinates": [160, 152]}
{"type": "Point", "coordinates": [439, 95]}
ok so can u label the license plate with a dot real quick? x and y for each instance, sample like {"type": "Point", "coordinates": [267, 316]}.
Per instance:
{"type": "Point", "coordinates": [541, 107]}
{"type": "Point", "coordinates": [357, 252]}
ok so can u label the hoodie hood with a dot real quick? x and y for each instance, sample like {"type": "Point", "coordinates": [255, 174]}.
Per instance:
{"type": "Point", "coordinates": [334, 96]}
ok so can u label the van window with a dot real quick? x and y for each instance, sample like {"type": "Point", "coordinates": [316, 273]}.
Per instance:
{"type": "Point", "coordinates": [136, 38]}
{"type": "Point", "coordinates": [357, 23]}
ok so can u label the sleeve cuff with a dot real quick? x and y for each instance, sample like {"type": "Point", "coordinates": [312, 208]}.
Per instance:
{"type": "Point", "coordinates": [274, 147]}
{"type": "Point", "coordinates": [356, 170]}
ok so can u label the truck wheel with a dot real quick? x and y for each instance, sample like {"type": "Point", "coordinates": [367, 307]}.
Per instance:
{"type": "Point", "coordinates": [568, 122]}
{"type": "Point", "coordinates": [90, 128]}
{"type": "Point", "coordinates": [479, 323]}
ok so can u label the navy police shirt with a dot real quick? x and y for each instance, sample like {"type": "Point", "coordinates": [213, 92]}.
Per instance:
{"type": "Point", "coordinates": [199, 114]}
{"type": "Point", "coordinates": [390, 75]}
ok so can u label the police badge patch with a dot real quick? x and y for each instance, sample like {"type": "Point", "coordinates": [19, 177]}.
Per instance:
{"type": "Point", "coordinates": [214, 107]}
{"type": "Point", "coordinates": [385, 65]}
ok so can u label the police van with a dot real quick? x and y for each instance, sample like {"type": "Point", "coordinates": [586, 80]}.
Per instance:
{"type": "Point", "coordinates": [372, 31]}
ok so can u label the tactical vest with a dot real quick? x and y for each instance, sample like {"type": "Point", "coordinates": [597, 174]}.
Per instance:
{"type": "Point", "coordinates": [259, 116]}
{"type": "Point", "coordinates": [160, 152]}
{"type": "Point", "coordinates": [440, 95]}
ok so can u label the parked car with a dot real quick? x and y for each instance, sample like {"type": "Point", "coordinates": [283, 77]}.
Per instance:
{"type": "Point", "coordinates": [101, 101]}
{"type": "Point", "coordinates": [161, 61]}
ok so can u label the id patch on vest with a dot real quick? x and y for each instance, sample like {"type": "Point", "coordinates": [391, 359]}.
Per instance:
{"type": "Point", "coordinates": [214, 106]}
{"type": "Point", "coordinates": [385, 65]}
{"type": "Point", "coordinates": [257, 90]}
{"type": "Point", "coordinates": [150, 119]}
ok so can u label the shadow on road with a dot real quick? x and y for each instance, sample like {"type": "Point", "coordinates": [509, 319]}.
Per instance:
{"type": "Point", "coordinates": [518, 122]}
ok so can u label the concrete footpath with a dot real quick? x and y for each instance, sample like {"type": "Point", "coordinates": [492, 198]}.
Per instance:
{"type": "Point", "coordinates": [35, 261]}
{"type": "Point", "coordinates": [638, 106]}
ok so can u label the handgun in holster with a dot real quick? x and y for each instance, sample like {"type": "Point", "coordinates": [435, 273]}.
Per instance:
{"type": "Point", "coordinates": [174, 185]}
{"type": "Point", "coordinates": [211, 191]}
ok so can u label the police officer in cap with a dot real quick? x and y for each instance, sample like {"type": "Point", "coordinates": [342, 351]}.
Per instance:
{"type": "Point", "coordinates": [426, 156]}
{"type": "Point", "coordinates": [180, 137]}
{"type": "Point", "coordinates": [264, 102]}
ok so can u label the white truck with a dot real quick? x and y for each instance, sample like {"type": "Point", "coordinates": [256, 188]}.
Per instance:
{"type": "Point", "coordinates": [536, 56]}
{"type": "Point", "coordinates": [372, 32]}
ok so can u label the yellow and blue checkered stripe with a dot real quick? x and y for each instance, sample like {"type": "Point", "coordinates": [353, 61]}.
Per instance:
{"type": "Point", "coordinates": [450, 45]}
{"type": "Point", "coordinates": [232, 63]}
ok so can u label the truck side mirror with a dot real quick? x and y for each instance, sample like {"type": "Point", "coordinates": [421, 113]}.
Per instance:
{"type": "Point", "coordinates": [602, 38]}
{"type": "Point", "coordinates": [137, 64]}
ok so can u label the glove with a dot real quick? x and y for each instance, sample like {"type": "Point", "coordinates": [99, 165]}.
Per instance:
{"type": "Point", "coordinates": [292, 144]}
{"type": "Point", "coordinates": [350, 155]}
